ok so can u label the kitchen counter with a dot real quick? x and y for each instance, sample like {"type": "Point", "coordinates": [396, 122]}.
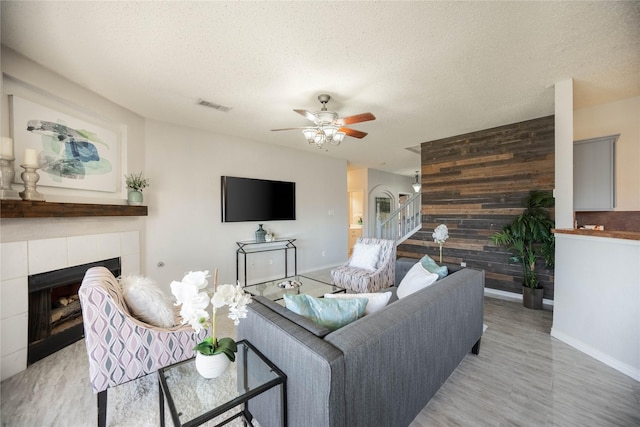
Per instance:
{"type": "Point", "coordinates": [628, 235]}
{"type": "Point", "coordinates": [596, 306]}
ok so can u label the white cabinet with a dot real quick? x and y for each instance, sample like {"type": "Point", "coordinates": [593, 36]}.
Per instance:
{"type": "Point", "coordinates": [354, 234]}
{"type": "Point", "coordinates": [594, 186]}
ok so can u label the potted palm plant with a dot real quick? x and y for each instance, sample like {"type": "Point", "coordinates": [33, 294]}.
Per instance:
{"type": "Point", "coordinates": [529, 238]}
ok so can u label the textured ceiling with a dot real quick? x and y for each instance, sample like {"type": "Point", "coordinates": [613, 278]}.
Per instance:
{"type": "Point", "coordinates": [426, 70]}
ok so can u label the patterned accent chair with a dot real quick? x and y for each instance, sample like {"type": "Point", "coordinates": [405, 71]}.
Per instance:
{"type": "Point", "coordinates": [122, 348]}
{"type": "Point", "coordinates": [361, 280]}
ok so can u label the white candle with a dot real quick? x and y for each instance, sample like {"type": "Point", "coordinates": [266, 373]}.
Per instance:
{"type": "Point", "coordinates": [6, 148]}
{"type": "Point", "coordinates": [30, 157]}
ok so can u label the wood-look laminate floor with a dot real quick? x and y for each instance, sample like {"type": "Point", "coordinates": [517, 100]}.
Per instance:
{"type": "Point", "coordinates": [525, 377]}
{"type": "Point", "coordinates": [522, 377]}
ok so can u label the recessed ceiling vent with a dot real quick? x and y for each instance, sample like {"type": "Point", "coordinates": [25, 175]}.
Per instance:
{"type": "Point", "coordinates": [214, 106]}
{"type": "Point", "coordinates": [415, 149]}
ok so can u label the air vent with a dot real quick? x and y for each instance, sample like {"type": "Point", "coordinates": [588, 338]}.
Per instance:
{"type": "Point", "coordinates": [415, 149]}
{"type": "Point", "coordinates": [214, 106]}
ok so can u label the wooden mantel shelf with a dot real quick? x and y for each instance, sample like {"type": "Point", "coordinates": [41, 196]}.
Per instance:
{"type": "Point", "coordinates": [32, 209]}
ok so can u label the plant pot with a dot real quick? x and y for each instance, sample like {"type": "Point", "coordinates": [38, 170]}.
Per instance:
{"type": "Point", "coordinates": [532, 297]}
{"type": "Point", "coordinates": [134, 197]}
{"type": "Point", "coordinates": [211, 365]}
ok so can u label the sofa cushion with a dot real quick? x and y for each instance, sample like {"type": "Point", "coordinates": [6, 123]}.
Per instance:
{"type": "Point", "coordinates": [146, 301]}
{"type": "Point", "coordinates": [330, 313]}
{"type": "Point", "coordinates": [429, 264]}
{"type": "Point", "coordinates": [303, 322]}
{"type": "Point", "coordinates": [376, 300]}
{"type": "Point", "coordinates": [417, 278]}
{"type": "Point", "coordinates": [394, 293]}
{"type": "Point", "coordinates": [365, 256]}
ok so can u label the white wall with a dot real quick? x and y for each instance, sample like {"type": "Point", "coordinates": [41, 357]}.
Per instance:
{"type": "Point", "coordinates": [23, 77]}
{"type": "Point", "coordinates": [620, 117]}
{"type": "Point", "coordinates": [184, 228]}
{"type": "Point", "coordinates": [184, 167]}
{"type": "Point", "coordinates": [27, 79]}
{"type": "Point", "coordinates": [597, 310]}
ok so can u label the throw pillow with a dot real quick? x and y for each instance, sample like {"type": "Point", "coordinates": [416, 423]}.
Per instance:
{"type": "Point", "coordinates": [365, 256]}
{"type": "Point", "coordinates": [416, 278]}
{"type": "Point", "coordinates": [377, 301]}
{"type": "Point", "coordinates": [330, 313]}
{"type": "Point", "coordinates": [429, 264]}
{"type": "Point", "coordinates": [146, 301]}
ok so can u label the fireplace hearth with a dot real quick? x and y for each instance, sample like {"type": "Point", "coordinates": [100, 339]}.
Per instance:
{"type": "Point", "coordinates": [55, 315]}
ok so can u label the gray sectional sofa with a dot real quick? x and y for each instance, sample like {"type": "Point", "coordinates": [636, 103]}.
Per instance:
{"type": "Point", "coordinates": [380, 370]}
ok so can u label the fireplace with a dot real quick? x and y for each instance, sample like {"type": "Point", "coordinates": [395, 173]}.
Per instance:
{"type": "Point", "coordinates": [55, 315]}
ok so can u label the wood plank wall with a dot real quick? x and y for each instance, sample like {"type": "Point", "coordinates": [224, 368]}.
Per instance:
{"type": "Point", "coordinates": [475, 183]}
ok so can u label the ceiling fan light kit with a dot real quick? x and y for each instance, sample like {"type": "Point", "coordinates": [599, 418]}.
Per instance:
{"type": "Point", "coordinates": [328, 127]}
{"type": "Point", "coordinates": [320, 135]}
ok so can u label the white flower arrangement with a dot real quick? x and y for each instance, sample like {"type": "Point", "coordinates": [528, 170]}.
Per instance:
{"type": "Point", "coordinates": [440, 235]}
{"type": "Point", "coordinates": [193, 295]}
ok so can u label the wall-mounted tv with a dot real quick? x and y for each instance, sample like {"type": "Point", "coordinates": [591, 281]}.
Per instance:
{"type": "Point", "coordinates": [249, 199]}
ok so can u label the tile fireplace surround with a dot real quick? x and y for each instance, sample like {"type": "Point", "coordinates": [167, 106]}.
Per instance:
{"type": "Point", "coordinates": [23, 258]}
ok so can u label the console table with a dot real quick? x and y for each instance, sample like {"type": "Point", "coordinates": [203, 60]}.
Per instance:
{"type": "Point", "coordinates": [249, 247]}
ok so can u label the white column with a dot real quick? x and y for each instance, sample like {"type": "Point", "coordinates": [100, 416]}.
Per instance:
{"type": "Point", "coordinates": [564, 154]}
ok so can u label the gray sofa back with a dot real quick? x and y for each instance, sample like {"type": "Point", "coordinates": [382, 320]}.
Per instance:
{"type": "Point", "coordinates": [397, 359]}
{"type": "Point", "coordinates": [380, 370]}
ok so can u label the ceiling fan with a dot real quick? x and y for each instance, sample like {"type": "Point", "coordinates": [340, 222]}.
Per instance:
{"type": "Point", "coordinates": [328, 126]}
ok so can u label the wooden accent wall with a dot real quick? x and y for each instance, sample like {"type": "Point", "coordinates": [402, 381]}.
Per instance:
{"type": "Point", "coordinates": [474, 184]}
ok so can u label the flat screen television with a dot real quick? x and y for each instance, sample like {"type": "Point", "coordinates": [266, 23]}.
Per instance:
{"type": "Point", "coordinates": [249, 199]}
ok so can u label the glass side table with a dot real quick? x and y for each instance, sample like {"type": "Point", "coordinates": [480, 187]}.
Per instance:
{"type": "Point", "coordinates": [194, 400]}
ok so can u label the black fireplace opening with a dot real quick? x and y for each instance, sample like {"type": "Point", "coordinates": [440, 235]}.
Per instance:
{"type": "Point", "coordinates": [55, 314]}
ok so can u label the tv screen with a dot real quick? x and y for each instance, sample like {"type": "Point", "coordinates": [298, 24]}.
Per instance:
{"type": "Point", "coordinates": [248, 199]}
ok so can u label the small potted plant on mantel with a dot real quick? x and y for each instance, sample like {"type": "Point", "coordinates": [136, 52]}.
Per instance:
{"type": "Point", "coordinates": [529, 238]}
{"type": "Point", "coordinates": [135, 183]}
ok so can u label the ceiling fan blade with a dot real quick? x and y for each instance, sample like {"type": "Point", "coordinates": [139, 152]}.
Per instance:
{"type": "Point", "coordinates": [272, 130]}
{"type": "Point", "coordinates": [308, 115]}
{"type": "Point", "coordinates": [358, 118]}
{"type": "Point", "coordinates": [354, 133]}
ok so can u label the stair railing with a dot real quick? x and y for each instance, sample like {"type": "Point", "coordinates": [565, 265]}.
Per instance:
{"type": "Point", "coordinates": [403, 222]}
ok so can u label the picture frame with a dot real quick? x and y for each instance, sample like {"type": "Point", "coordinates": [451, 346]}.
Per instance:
{"type": "Point", "coordinates": [72, 152]}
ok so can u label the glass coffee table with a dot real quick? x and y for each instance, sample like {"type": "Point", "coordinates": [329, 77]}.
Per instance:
{"type": "Point", "coordinates": [309, 286]}
{"type": "Point", "coordinates": [194, 400]}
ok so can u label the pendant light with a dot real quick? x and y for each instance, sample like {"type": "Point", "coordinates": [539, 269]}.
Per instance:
{"type": "Point", "coordinates": [416, 185]}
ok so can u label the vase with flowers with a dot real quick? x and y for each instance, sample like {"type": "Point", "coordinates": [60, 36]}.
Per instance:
{"type": "Point", "coordinates": [135, 182]}
{"type": "Point", "coordinates": [440, 235]}
{"type": "Point", "coordinates": [193, 294]}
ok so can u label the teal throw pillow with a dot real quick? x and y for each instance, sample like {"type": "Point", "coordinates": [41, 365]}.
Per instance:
{"type": "Point", "coordinates": [431, 266]}
{"type": "Point", "coordinates": [330, 313]}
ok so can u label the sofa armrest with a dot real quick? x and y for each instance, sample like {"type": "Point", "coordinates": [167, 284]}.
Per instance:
{"type": "Point", "coordinates": [314, 369]}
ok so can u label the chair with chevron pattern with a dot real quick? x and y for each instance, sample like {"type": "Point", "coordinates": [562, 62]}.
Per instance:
{"type": "Point", "coordinates": [120, 347]}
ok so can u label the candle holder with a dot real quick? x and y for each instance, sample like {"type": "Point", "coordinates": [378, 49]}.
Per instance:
{"type": "Point", "coordinates": [6, 178]}
{"type": "Point", "coordinates": [30, 178]}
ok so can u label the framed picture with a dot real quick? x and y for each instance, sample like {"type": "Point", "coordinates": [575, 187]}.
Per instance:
{"type": "Point", "coordinates": [72, 153]}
